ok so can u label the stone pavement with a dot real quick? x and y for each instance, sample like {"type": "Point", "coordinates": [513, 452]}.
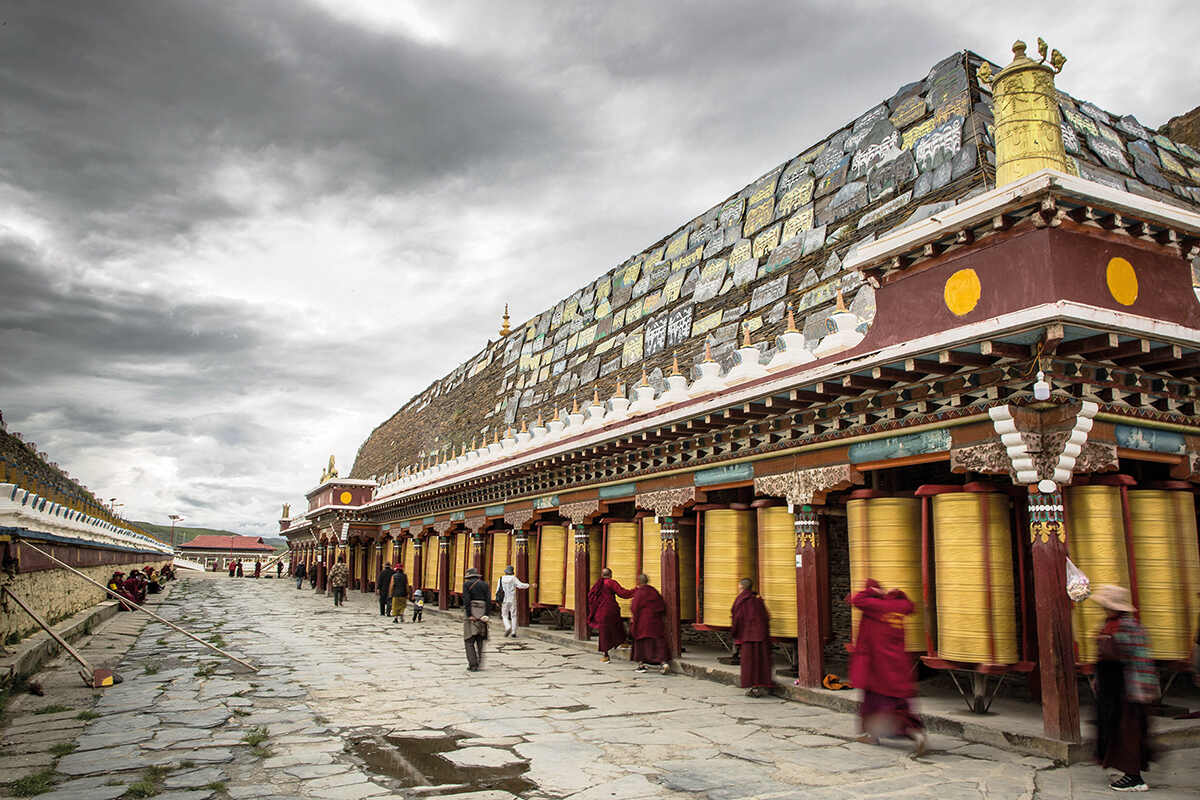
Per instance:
{"type": "Point", "coordinates": [348, 705]}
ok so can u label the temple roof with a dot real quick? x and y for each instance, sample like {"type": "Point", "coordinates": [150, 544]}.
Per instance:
{"type": "Point", "coordinates": [216, 542]}
{"type": "Point", "coordinates": [780, 240]}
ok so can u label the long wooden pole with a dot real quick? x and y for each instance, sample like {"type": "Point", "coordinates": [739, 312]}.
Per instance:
{"type": "Point", "coordinates": [53, 634]}
{"type": "Point", "coordinates": [144, 610]}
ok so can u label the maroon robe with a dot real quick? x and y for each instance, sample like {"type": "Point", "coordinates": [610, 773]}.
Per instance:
{"type": "Point", "coordinates": [649, 627]}
{"type": "Point", "coordinates": [879, 664]}
{"type": "Point", "coordinates": [751, 632]}
{"type": "Point", "coordinates": [604, 615]}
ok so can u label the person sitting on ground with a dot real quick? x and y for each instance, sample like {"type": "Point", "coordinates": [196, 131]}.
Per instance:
{"type": "Point", "coordinates": [648, 627]}
{"type": "Point", "coordinates": [168, 572]}
{"type": "Point", "coordinates": [117, 584]}
{"type": "Point", "coordinates": [418, 601]}
{"type": "Point", "coordinates": [152, 584]}
{"type": "Point", "coordinates": [135, 587]}
{"type": "Point", "coordinates": [399, 591]}
{"type": "Point", "coordinates": [339, 577]}
{"type": "Point", "coordinates": [751, 633]}
{"type": "Point", "coordinates": [383, 588]}
{"type": "Point", "coordinates": [507, 591]}
{"type": "Point", "coordinates": [882, 668]}
{"type": "Point", "coordinates": [604, 615]}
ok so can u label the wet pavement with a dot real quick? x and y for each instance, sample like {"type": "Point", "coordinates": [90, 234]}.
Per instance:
{"type": "Point", "coordinates": [348, 705]}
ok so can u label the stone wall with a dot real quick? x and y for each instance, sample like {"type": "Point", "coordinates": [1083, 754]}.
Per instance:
{"type": "Point", "coordinates": [54, 594]}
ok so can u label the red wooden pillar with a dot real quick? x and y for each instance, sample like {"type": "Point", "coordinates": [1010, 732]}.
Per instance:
{"type": "Point", "coordinates": [669, 564]}
{"type": "Point", "coordinates": [443, 572]}
{"type": "Point", "coordinates": [322, 568]}
{"type": "Point", "coordinates": [477, 552]}
{"type": "Point", "coordinates": [582, 573]}
{"type": "Point", "coordinates": [364, 583]}
{"type": "Point", "coordinates": [810, 666]}
{"type": "Point", "coordinates": [1056, 652]}
{"type": "Point", "coordinates": [417, 576]}
{"type": "Point", "coordinates": [521, 559]}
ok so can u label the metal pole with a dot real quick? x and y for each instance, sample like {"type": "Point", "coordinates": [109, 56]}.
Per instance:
{"type": "Point", "coordinates": [129, 602]}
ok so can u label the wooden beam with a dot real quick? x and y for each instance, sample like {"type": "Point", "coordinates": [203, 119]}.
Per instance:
{"type": "Point", "coordinates": [927, 367]}
{"type": "Point", "coordinates": [1130, 348]}
{"type": "Point", "coordinates": [1005, 350]}
{"type": "Point", "coordinates": [863, 382]}
{"type": "Point", "coordinates": [964, 359]}
{"type": "Point", "coordinates": [896, 375]}
{"type": "Point", "coordinates": [1153, 357]}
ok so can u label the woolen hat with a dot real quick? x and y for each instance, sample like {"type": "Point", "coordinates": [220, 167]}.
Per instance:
{"type": "Point", "coordinates": [472, 573]}
{"type": "Point", "coordinates": [1114, 598]}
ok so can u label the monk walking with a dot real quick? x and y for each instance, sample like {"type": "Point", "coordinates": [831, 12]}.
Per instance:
{"type": "Point", "coordinates": [751, 634]}
{"type": "Point", "coordinates": [880, 667]}
{"type": "Point", "coordinates": [604, 615]}
{"type": "Point", "coordinates": [649, 628]}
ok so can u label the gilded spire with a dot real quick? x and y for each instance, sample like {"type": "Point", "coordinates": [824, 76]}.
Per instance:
{"type": "Point", "coordinates": [746, 335]}
{"type": "Point", "coordinates": [538, 424]}
{"type": "Point", "coordinates": [645, 378]}
{"type": "Point", "coordinates": [524, 428]}
{"type": "Point", "coordinates": [596, 396]}
{"type": "Point", "coordinates": [841, 302]}
{"type": "Point", "coordinates": [791, 328]}
{"type": "Point", "coordinates": [555, 417]}
{"type": "Point", "coordinates": [575, 404]}
{"type": "Point", "coordinates": [496, 436]}
{"type": "Point", "coordinates": [708, 351]}
{"type": "Point", "coordinates": [1028, 125]}
{"type": "Point", "coordinates": [675, 363]}
{"type": "Point", "coordinates": [504, 329]}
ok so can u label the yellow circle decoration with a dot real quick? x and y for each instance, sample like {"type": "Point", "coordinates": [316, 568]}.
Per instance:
{"type": "Point", "coordinates": [346, 497]}
{"type": "Point", "coordinates": [962, 292]}
{"type": "Point", "coordinates": [1122, 281]}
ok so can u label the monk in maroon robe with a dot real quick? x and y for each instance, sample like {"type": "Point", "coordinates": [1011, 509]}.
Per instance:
{"type": "Point", "coordinates": [604, 615]}
{"type": "Point", "coordinates": [649, 627]}
{"type": "Point", "coordinates": [882, 668]}
{"type": "Point", "coordinates": [751, 633]}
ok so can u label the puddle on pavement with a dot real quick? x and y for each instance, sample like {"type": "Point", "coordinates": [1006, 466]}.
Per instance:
{"type": "Point", "coordinates": [417, 762]}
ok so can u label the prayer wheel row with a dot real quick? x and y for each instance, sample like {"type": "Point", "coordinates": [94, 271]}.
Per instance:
{"type": "Point", "coordinates": [1104, 522]}
{"type": "Point", "coordinates": [632, 547]}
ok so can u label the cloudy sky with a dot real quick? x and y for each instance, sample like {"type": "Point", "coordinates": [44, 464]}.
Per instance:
{"type": "Point", "coordinates": [234, 237]}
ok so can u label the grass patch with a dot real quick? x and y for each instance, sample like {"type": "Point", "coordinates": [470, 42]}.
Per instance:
{"type": "Point", "coordinates": [187, 764]}
{"type": "Point", "coordinates": [62, 748]}
{"type": "Point", "coordinates": [216, 786]}
{"type": "Point", "coordinates": [161, 641]}
{"type": "Point", "coordinates": [86, 715]}
{"type": "Point", "coordinates": [255, 736]}
{"type": "Point", "coordinates": [32, 785]}
{"type": "Point", "coordinates": [54, 709]}
{"type": "Point", "coordinates": [205, 671]}
{"type": "Point", "coordinates": [149, 785]}
{"type": "Point", "coordinates": [261, 751]}
{"type": "Point", "coordinates": [151, 668]}
{"type": "Point", "coordinates": [217, 641]}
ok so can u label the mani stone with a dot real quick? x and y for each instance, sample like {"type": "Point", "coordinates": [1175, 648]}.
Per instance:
{"type": "Point", "coordinates": [1110, 154]}
{"type": "Point", "coordinates": [1150, 174]}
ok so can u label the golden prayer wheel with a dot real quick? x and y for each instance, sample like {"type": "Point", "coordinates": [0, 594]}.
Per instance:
{"type": "Point", "coordinates": [429, 564]}
{"type": "Point", "coordinates": [552, 553]}
{"type": "Point", "coordinates": [777, 568]}
{"type": "Point", "coordinates": [976, 618]}
{"type": "Point", "coordinates": [409, 557]}
{"type": "Point", "coordinates": [685, 555]}
{"type": "Point", "coordinates": [1168, 569]}
{"type": "Point", "coordinates": [729, 556]}
{"type": "Point", "coordinates": [498, 558]}
{"type": "Point", "coordinates": [533, 563]}
{"type": "Point", "coordinates": [460, 551]}
{"type": "Point", "coordinates": [621, 556]}
{"type": "Point", "coordinates": [1096, 542]}
{"type": "Point", "coordinates": [885, 544]}
{"type": "Point", "coordinates": [595, 542]}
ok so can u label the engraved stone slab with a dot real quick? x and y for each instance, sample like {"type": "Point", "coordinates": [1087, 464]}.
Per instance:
{"type": "Point", "coordinates": [764, 189]}
{"type": "Point", "coordinates": [874, 154]}
{"type": "Point", "coordinates": [679, 325]}
{"type": "Point", "coordinates": [887, 177]}
{"type": "Point", "coordinates": [731, 212]}
{"type": "Point", "coordinates": [759, 216]}
{"type": "Point", "coordinates": [677, 244]}
{"type": "Point", "coordinates": [884, 210]}
{"type": "Point", "coordinates": [796, 197]}
{"type": "Point", "coordinates": [712, 276]}
{"type": "Point", "coordinates": [799, 222]}
{"type": "Point", "coordinates": [1084, 125]}
{"type": "Point", "coordinates": [766, 241]}
{"type": "Point", "coordinates": [909, 111]}
{"type": "Point", "coordinates": [745, 272]}
{"type": "Point", "coordinates": [1110, 154]}
{"type": "Point", "coordinates": [707, 322]}
{"type": "Point", "coordinates": [769, 292]}
{"type": "Point", "coordinates": [939, 145]}
{"type": "Point", "coordinates": [631, 350]}
{"type": "Point", "coordinates": [656, 334]}
{"type": "Point", "coordinates": [834, 178]}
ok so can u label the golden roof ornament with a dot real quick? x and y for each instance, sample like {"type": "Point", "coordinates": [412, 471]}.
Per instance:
{"type": "Point", "coordinates": [841, 303]}
{"type": "Point", "coordinates": [539, 423]}
{"type": "Point", "coordinates": [708, 351]}
{"type": "Point", "coordinates": [555, 417]}
{"type": "Point", "coordinates": [746, 335]}
{"type": "Point", "coordinates": [645, 378]}
{"type": "Point", "coordinates": [496, 436]}
{"type": "Point", "coordinates": [575, 404]}
{"type": "Point", "coordinates": [791, 320]}
{"type": "Point", "coordinates": [620, 390]}
{"type": "Point", "coordinates": [675, 363]}
{"type": "Point", "coordinates": [524, 429]}
{"type": "Point", "coordinates": [504, 329]}
{"type": "Point", "coordinates": [1025, 105]}
{"type": "Point", "coordinates": [596, 396]}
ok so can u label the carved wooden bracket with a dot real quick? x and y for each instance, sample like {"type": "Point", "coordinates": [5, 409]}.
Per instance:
{"type": "Point", "coordinates": [804, 486]}
{"type": "Point", "coordinates": [579, 512]}
{"type": "Point", "coordinates": [475, 523]}
{"type": "Point", "coordinates": [443, 528]}
{"type": "Point", "coordinates": [665, 501]}
{"type": "Point", "coordinates": [518, 519]}
{"type": "Point", "coordinates": [988, 458]}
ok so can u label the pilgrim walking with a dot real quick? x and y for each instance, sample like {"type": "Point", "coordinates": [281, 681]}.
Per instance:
{"type": "Point", "coordinates": [1125, 682]}
{"type": "Point", "coordinates": [399, 593]}
{"type": "Point", "coordinates": [383, 587]}
{"type": "Point", "coordinates": [604, 615]}
{"type": "Point", "coordinates": [300, 574]}
{"type": "Point", "coordinates": [648, 627]}
{"type": "Point", "coordinates": [882, 668]}
{"type": "Point", "coordinates": [751, 634]}
{"type": "Point", "coordinates": [475, 598]}
{"type": "Point", "coordinates": [507, 597]}
{"type": "Point", "coordinates": [339, 576]}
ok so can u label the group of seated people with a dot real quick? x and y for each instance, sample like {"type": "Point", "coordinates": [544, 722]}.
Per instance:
{"type": "Point", "coordinates": [138, 583]}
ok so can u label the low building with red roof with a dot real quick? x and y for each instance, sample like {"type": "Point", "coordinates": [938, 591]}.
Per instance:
{"type": "Point", "coordinates": [216, 552]}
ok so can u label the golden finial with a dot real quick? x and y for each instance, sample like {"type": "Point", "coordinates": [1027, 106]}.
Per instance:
{"type": "Point", "coordinates": [984, 73]}
{"type": "Point", "coordinates": [791, 328]}
{"type": "Point", "coordinates": [841, 302]}
{"type": "Point", "coordinates": [496, 436]}
{"type": "Point", "coordinates": [675, 363]}
{"type": "Point", "coordinates": [1057, 60]}
{"type": "Point", "coordinates": [508, 434]}
{"type": "Point", "coordinates": [1042, 46]}
{"type": "Point", "coordinates": [504, 329]}
{"type": "Point", "coordinates": [555, 417]}
{"type": "Point", "coordinates": [645, 379]}
{"type": "Point", "coordinates": [708, 351]}
{"type": "Point", "coordinates": [746, 335]}
{"type": "Point", "coordinates": [538, 424]}
{"type": "Point", "coordinates": [620, 390]}
{"type": "Point", "coordinates": [1028, 126]}
{"type": "Point", "coordinates": [473, 447]}
{"type": "Point", "coordinates": [524, 429]}
{"type": "Point", "coordinates": [575, 404]}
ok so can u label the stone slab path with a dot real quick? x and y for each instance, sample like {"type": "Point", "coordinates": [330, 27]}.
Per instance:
{"type": "Point", "coordinates": [347, 705]}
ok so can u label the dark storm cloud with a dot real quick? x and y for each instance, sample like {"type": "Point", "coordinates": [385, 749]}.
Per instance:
{"type": "Point", "coordinates": [119, 114]}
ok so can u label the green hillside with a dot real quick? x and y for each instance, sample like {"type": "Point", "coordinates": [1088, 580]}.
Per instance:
{"type": "Point", "coordinates": [186, 534]}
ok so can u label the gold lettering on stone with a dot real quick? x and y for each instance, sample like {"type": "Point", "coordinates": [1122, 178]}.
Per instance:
{"type": "Point", "coordinates": [570, 309]}
{"type": "Point", "coordinates": [766, 241]}
{"type": "Point", "coordinates": [916, 132]}
{"type": "Point", "coordinates": [794, 198]}
{"type": "Point", "coordinates": [689, 259]}
{"type": "Point", "coordinates": [629, 278]}
{"type": "Point", "coordinates": [707, 322]}
{"type": "Point", "coordinates": [957, 107]}
{"type": "Point", "coordinates": [678, 245]}
{"type": "Point", "coordinates": [811, 155]}
{"type": "Point", "coordinates": [741, 252]}
{"type": "Point", "coordinates": [1172, 163]}
{"type": "Point", "coordinates": [764, 190]}
{"type": "Point", "coordinates": [631, 352]}
{"type": "Point", "coordinates": [909, 111]}
{"type": "Point", "coordinates": [799, 222]}
{"type": "Point", "coordinates": [673, 287]}
{"type": "Point", "coordinates": [759, 216]}
{"type": "Point", "coordinates": [587, 336]}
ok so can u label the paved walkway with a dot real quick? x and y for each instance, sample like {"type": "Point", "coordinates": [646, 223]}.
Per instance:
{"type": "Point", "coordinates": [347, 705]}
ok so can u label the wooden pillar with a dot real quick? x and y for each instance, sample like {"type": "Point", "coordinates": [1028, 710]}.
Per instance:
{"type": "Point", "coordinates": [582, 573]}
{"type": "Point", "coordinates": [322, 567]}
{"type": "Point", "coordinates": [809, 642]}
{"type": "Point", "coordinates": [364, 582]}
{"type": "Point", "coordinates": [669, 564]}
{"type": "Point", "coordinates": [443, 572]}
{"type": "Point", "coordinates": [521, 565]}
{"type": "Point", "coordinates": [477, 551]}
{"type": "Point", "coordinates": [1056, 653]}
{"type": "Point", "coordinates": [417, 576]}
